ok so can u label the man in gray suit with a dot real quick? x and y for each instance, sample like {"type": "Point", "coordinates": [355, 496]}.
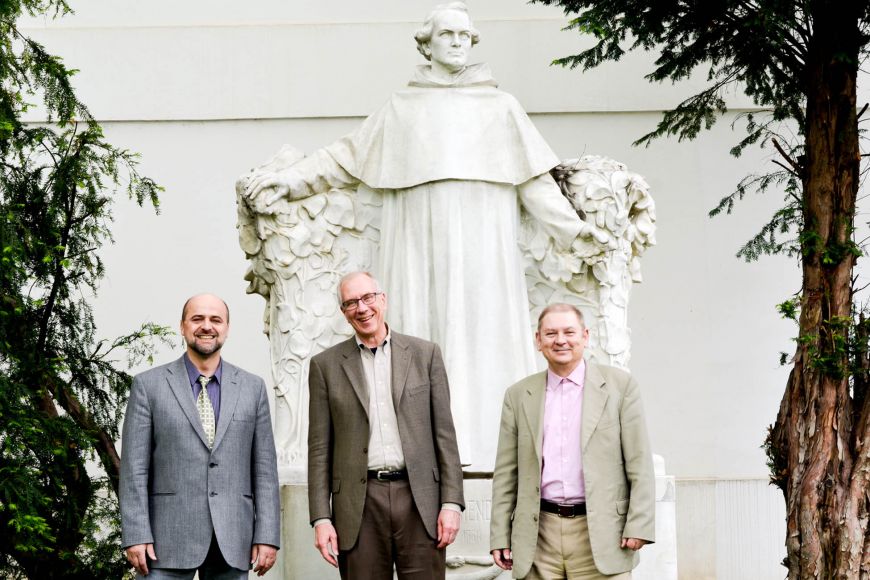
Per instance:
{"type": "Point", "coordinates": [199, 480]}
{"type": "Point", "coordinates": [382, 447]}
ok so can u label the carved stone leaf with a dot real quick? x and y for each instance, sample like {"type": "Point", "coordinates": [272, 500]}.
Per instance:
{"type": "Point", "coordinates": [314, 205]}
{"type": "Point", "coordinates": [340, 210]}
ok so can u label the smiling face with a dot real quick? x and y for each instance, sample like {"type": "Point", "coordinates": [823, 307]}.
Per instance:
{"type": "Point", "coordinates": [561, 338]}
{"type": "Point", "coordinates": [367, 320]}
{"type": "Point", "coordinates": [204, 325]}
{"type": "Point", "coordinates": [451, 41]}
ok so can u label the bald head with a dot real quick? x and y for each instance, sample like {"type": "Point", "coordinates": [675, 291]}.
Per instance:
{"type": "Point", "coordinates": [207, 298]}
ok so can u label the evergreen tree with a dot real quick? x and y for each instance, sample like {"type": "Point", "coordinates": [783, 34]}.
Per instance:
{"type": "Point", "coordinates": [62, 389]}
{"type": "Point", "coordinates": [799, 61]}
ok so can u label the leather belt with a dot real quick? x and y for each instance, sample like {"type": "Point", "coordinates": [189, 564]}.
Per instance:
{"type": "Point", "coordinates": [565, 510]}
{"type": "Point", "coordinates": [384, 475]}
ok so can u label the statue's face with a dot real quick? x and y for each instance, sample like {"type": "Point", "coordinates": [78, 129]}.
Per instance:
{"type": "Point", "coordinates": [451, 40]}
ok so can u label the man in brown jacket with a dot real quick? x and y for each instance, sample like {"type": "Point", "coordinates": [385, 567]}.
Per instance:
{"type": "Point", "coordinates": [382, 447]}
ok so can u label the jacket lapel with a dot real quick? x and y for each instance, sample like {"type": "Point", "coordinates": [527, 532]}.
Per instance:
{"type": "Point", "coordinates": [180, 385]}
{"type": "Point", "coordinates": [230, 391]}
{"type": "Point", "coordinates": [533, 409]}
{"type": "Point", "coordinates": [352, 366]}
{"type": "Point", "coordinates": [594, 400]}
{"type": "Point", "coordinates": [399, 365]}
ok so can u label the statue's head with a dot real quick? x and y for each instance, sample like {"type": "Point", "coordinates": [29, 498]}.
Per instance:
{"type": "Point", "coordinates": [446, 36]}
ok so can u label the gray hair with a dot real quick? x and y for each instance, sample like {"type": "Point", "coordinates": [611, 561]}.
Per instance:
{"type": "Point", "coordinates": [424, 33]}
{"type": "Point", "coordinates": [350, 275]}
{"type": "Point", "coordinates": [561, 307]}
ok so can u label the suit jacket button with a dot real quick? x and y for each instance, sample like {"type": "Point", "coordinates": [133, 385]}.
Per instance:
{"type": "Point", "coordinates": [212, 464]}
{"type": "Point", "coordinates": [365, 449]}
{"type": "Point", "coordinates": [535, 517]}
{"type": "Point", "coordinates": [213, 493]}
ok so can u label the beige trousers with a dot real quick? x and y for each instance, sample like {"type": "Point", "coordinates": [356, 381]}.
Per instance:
{"type": "Point", "coordinates": [564, 551]}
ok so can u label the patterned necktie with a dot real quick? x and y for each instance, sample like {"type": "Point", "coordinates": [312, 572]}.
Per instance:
{"type": "Point", "coordinates": [206, 412]}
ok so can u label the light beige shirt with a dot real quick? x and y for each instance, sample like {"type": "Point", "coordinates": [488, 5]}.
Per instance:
{"type": "Point", "coordinates": [385, 447]}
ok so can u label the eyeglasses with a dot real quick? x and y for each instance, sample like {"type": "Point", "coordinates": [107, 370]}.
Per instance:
{"type": "Point", "coordinates": [353, 303]}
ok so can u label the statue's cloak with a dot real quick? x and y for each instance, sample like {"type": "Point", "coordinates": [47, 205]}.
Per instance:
{"type": "Point", "coordinates": [455, 160]}
{"type": "Point", "coordinates": [433, 131]}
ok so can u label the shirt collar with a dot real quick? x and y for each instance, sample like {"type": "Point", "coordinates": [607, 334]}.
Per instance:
{"type": "Point", "coordinates": [577, 376]}
{"type": "Point", "coordinates": [193, 373]}
{"type": "Point", "coordinates": [361, 345]}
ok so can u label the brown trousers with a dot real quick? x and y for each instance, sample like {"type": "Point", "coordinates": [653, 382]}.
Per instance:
{"type": "Point", "coordinates": [392, 532]}
{"type": "Point", "coordinates": [564, 551]}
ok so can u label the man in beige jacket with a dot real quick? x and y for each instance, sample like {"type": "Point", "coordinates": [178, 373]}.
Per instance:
{"type": "Point", "coordinates": [573, 488]}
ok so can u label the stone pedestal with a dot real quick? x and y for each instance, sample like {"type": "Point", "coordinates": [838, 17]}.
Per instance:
{"type": "Point", "coordinates": [298, 558]}
{"type": "Point", "coordinates": [659, 561]}
{"type": "Point", "coordinates": [468, 558]}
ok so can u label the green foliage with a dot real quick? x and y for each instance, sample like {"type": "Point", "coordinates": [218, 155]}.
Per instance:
{"type": "Point", "coordinates": [62, 389]}
{"type": "Point", "coordinates": [798, 62]}
{"type": "Point", "coordinates": [760, 48]}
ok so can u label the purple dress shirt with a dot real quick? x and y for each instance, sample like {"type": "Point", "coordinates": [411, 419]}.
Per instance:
{"type": "Point", "coordinates": [213, 387]}
{"type": "Point", "coordinates": [562, 470]}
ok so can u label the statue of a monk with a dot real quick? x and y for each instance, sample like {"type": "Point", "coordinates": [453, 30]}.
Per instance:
{"type": "Point", "coordinates": [454, 158]}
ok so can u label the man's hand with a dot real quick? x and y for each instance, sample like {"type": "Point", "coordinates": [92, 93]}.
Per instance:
{"type": "Point", "coordinates": [503, 558]}
{"type": "Point", "coordinates": [633, 543]}
{"type": "Point", "coordinates": [136, 556]}
{"type": "Point", "coordinates": [326, 542]}
{"type": "Point", "coordinates": [448, 527]}
{"type": "Point", "coordinates": [263, 557]}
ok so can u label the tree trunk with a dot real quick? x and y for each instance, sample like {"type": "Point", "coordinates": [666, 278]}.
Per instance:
{"type": "Point", "coordinates": [819, 444]}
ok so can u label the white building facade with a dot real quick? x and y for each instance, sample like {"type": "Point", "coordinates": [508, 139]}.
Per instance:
{"type": "Point", "coordinates": [206, 90]}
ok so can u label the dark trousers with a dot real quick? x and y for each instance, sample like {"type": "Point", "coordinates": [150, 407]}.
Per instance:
{"type": "Point", "coordinates": [214, 568]}
{"type": "Point", "coordinates": [392, 532]}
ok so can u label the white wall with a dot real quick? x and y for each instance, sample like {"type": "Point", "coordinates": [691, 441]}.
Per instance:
{"type": "Point", "coordinates": [206, 90]}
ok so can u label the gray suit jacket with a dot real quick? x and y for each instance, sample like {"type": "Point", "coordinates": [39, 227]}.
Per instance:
{"type": "Point", "coordinates": [174, 490]}
{"type": "Point", "coordinates": [617, 467]}
{"type": "Point", "coordinates": [338, 433]}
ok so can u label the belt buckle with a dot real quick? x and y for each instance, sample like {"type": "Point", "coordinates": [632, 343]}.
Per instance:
{"type": "Point", "coordinates": [566, 510]}
{"type": "Point", "coordinates": [383, 472]}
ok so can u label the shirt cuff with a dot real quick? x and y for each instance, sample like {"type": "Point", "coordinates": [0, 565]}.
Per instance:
{"type": "Point", "coordinates": [450, 506]}
{"type": "Point", "coordinates": [319, 521]}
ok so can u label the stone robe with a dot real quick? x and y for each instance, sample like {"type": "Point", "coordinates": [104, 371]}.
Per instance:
{"type": "Point", "coordinates": [454, 161]}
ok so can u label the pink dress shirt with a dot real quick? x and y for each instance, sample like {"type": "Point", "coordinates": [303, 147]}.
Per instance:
{"type": "Point", "coordinates": [562, 469]}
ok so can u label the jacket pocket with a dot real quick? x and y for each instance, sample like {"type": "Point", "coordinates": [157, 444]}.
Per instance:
{"type": "Point", "coordinates": [336, 485]}
{"type": "Point", "coordinates": [622, 506]}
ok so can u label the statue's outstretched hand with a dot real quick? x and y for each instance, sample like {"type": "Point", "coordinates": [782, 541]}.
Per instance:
{"type": "Point", "coordinates": [267, 188]}
{"type": "Point", "coordinates": [588, 230]}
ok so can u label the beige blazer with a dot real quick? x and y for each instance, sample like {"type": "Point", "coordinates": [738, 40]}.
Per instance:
{"type": "Point", "coordinates": [338, 433]}
{"type": "Point", "coordinates": [617, 466]}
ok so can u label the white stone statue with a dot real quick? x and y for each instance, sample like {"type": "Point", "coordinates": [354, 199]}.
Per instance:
{"type": "Point", "coordinates": [446, 194]}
